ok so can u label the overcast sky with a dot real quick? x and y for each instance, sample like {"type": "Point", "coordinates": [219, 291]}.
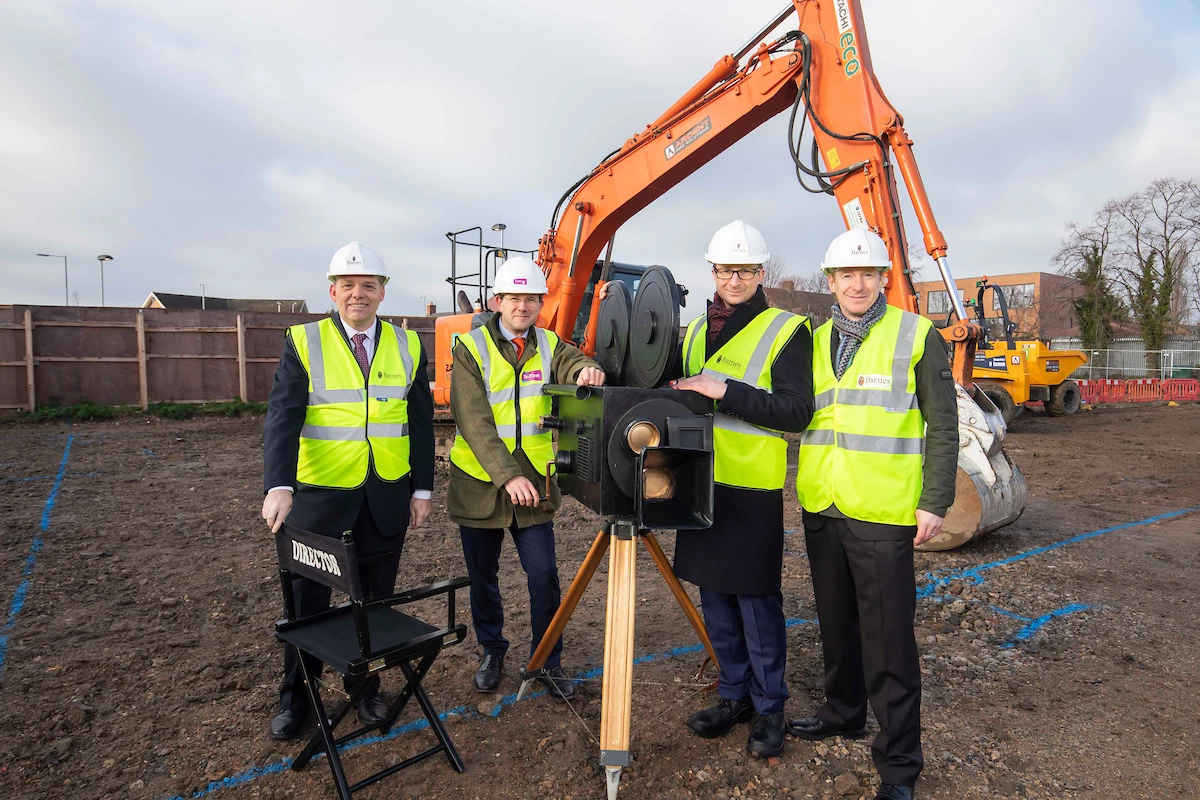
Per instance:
{"type": "Point", "coordinates": [239, 144]}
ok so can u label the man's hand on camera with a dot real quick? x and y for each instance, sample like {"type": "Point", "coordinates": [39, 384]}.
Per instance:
{"type": "Point", "coordinates": [590, 376]}
{"type": "Point", "coordinates": [701, 384]}
{"type": "Point", "coordinates": [276, 506]}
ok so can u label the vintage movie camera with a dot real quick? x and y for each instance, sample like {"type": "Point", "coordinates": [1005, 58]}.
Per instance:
{"type": "Point", "coordinates": [637, 451]}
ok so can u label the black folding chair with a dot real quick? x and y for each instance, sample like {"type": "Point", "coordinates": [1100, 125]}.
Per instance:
{"type": "Point", "coordinates": [358, 639]}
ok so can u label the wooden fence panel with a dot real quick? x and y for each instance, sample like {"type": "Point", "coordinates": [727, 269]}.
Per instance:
{"type": "Point", "coordinates": [130, 356]}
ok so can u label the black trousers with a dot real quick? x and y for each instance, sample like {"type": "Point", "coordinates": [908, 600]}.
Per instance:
{"type": "Point", "coordinates": [866, 599]}
{"type": "Point", "coordinates": [378, 579]}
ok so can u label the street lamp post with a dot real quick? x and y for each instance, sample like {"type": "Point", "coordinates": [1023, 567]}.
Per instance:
{"type": "Point", "coordinates": [66, 281]}
{"type": "Point", "coordinates": [501, 227]}
{"type": "Point", "coordinates": [102, 259]}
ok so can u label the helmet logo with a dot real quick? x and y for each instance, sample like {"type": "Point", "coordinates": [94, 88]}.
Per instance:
{"type": "Point", "coordinates": [520, 281]}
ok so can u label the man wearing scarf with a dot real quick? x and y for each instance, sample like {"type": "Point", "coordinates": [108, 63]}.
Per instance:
{"type": "Point", "coordinates": [755, 362]}
{"type": "Point", "coordinates": [876, 477]}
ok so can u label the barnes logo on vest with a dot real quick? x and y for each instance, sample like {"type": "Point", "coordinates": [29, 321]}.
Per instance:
{"type": "Point", "coordinates": [875, 382]}
{"type": "Point", "coordinates": [726, 360]}
{"type": "Point", "coordinates": [317, 559]}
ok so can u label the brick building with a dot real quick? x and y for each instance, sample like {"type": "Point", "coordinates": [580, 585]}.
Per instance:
{"type": "Point", "coordinates": [1040, 303]}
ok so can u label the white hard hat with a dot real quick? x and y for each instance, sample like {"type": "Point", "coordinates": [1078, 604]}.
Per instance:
{"type": "Point", "coordinates": [357, 259]}
{"type": "Point", "coordinates": [519, 275]}
{"type": "Point", "coordinates": [857, 247]}
{"type": "Point", "coordinates": [737, 243]}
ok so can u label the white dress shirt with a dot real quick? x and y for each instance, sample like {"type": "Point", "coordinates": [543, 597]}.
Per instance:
{"type": "Point", "coordinates": [369, 346]}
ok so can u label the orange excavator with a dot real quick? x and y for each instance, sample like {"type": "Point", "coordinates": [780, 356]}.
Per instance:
{"type": "Point", "coordinates": [845, 140]}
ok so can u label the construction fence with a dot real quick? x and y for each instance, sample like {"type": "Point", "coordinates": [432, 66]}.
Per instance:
{"type": "Point", "coordinates": [1129, 359]}
{"type": "Point", "coordinates": [133, 356]}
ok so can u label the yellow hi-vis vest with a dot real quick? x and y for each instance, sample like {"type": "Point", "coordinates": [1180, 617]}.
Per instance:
{"type": "Point", "coordinates": [744, 455]}
{"type": "Point", "coordinates": [351, 420]}
{"type": "Point", "coordinates": [517, 401]}
{"type": "Point", "coordinates": [863, 449]}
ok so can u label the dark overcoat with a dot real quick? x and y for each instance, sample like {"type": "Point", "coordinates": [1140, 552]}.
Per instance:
{"type": "Point", "coordinates": [742, 553]}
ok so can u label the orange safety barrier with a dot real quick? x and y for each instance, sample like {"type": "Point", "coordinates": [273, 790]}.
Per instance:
{"type": "Point", "coordinates": [1143, 390]}
{"type": "Point", "coordinates": [1089, 391]}
{"type": "Point", "coordinates": [1111, 391]}
{"type": "Point", "coordinates": [1181, 390]}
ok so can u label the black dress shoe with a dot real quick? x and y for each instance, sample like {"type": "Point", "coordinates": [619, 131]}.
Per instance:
{"type": "Point", "coordinates": [892, 791]}
{"type": "Point", "coordinates": [766, 735]}
{"type": "Point", "coordinates": [487, 678]}
{"type": "Point", "coordinates": [716, 721]}
{"type": "Point", "coordinates": [287, 724]}
{"type": "Point", "coordinates": [557, 683]}
{"type": "Point", "coordinates": [815, 729]}
{"type": "Point", "coordinates": [372, 711]}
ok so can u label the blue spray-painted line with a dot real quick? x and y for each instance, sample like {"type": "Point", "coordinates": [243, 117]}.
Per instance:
{"type": "Point", "coordinates": [973, 575]}
{"type": "Point", "coordinates": [35, 547]}
{"type": "Point", "coordinates": [48, 477]}
{"type": "Point", "coordinates": [250, 774]}
{"type": "Point", "coordinates": [149, 452]}
{"type": "Point", "coordinates": [929, 591]}
{"type": "Point", "coordinates": [1036, 625]}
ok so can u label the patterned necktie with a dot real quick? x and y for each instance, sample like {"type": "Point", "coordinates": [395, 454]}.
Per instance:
{"type": "Point", "coordinates": [360, 353]}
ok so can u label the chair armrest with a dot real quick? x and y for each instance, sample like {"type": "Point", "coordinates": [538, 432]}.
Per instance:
{"type": "Point", "coordinates": [422, 592]}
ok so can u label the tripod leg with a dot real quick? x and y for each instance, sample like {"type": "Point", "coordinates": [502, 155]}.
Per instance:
{"type": "Point", "coordinates": [567, 607]}
{"type": "Point", "coordinates": [617, 697]}
{"type": "Point", "coordinates": [685, 602]}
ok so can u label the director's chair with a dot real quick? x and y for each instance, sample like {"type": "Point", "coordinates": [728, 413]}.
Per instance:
{"type": "Point", "coordinates": [358, 639]}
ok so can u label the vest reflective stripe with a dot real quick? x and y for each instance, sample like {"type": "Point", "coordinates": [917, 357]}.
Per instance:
{"type": "Point", "coordinates": [352, 422]}
{"type": "Point", "coordinates": [745, 455]}
{"type": "Point", "coordinates": [863, 449]}
{"type": "Point", "coordinates": [517, 401]}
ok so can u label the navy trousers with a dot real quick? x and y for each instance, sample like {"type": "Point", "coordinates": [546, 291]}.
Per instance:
{"type": "Point", "coordinates": [749, 636]}
{"type": "Point", "coordinates": [535, 547]}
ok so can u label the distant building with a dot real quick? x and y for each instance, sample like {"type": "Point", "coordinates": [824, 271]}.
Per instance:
{"type": "Point", "coordinates": [1040, 303]}
{"type": "Point", "coordinates": [814, 305]}
{"type": "Point", "coordinates": [195, 301]}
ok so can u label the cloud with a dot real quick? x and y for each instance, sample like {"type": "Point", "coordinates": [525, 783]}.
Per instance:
{"type": "Point", "coordinates": [240, 144]}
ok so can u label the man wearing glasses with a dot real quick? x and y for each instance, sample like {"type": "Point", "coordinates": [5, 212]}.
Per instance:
{"type": "Point", "coordinates": [755, 362]}
{"type": "Point", "coordinates": [500, 461]}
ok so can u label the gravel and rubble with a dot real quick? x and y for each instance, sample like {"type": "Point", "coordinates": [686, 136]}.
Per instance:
{"type": "Point", "coordinates": [141, 664]}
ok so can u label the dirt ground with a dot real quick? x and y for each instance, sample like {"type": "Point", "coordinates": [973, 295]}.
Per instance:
{"type": "Point", "coordinates": [138, 659]}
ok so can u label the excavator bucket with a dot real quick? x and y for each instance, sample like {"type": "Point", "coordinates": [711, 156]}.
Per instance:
{"type": "Point", "coordinates": [990, 491]}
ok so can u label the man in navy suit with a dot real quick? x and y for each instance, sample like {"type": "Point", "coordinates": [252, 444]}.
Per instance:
{"type": "Point", "coordinates": [347, 445]}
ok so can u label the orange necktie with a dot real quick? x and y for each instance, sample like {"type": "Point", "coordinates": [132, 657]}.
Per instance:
{"type": "Point", "coordinates": [519, 343]}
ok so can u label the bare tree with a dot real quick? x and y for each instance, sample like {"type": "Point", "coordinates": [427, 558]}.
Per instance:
{"type": "Point", "coordinates": [774, 272]}
{"type": "Point", "coordinates": [814, 282]}
{"type": "Point", "coordinates": [1158, 232]}
{"type": "Point", "coordinates": [1084, 256]}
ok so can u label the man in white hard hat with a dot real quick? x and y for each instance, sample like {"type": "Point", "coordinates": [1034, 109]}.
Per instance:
{"type": "Point", "coordinates": [755, 362]}
{"type": "Point", "coordinates": [501, 457]}
{"type": "Point", "coordinates": [348, 445]}
{"type": "Point", "coordinates": [876, 477]}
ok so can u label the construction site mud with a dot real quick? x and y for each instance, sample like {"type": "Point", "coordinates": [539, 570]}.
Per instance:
{"type": "Point", "coordinates": [137, 659]}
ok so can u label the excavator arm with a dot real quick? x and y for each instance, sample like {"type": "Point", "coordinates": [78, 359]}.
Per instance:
{"type": "Point", "coordinates": [821, 71]}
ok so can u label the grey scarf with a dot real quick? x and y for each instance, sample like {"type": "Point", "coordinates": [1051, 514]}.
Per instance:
{"type": "Point", "coordinates": [853, 332]}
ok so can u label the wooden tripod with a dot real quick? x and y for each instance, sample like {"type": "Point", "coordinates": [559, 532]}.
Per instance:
{"type": "Point", "coordinates": [617, 690]}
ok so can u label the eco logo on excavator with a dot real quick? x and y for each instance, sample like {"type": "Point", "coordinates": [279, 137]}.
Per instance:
{"type": "Point", "coordinates": [850, 64]}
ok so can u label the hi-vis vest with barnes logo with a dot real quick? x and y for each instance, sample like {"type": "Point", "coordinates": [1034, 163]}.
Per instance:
{"type": "Point", "coordinates": [517, 401]}
{"type": "Point", "coordinates": [863, 449]}
{"type": "Point", "coordinates": [744, 455]}
{"type": "Point", "coordinates": [351, 420]}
